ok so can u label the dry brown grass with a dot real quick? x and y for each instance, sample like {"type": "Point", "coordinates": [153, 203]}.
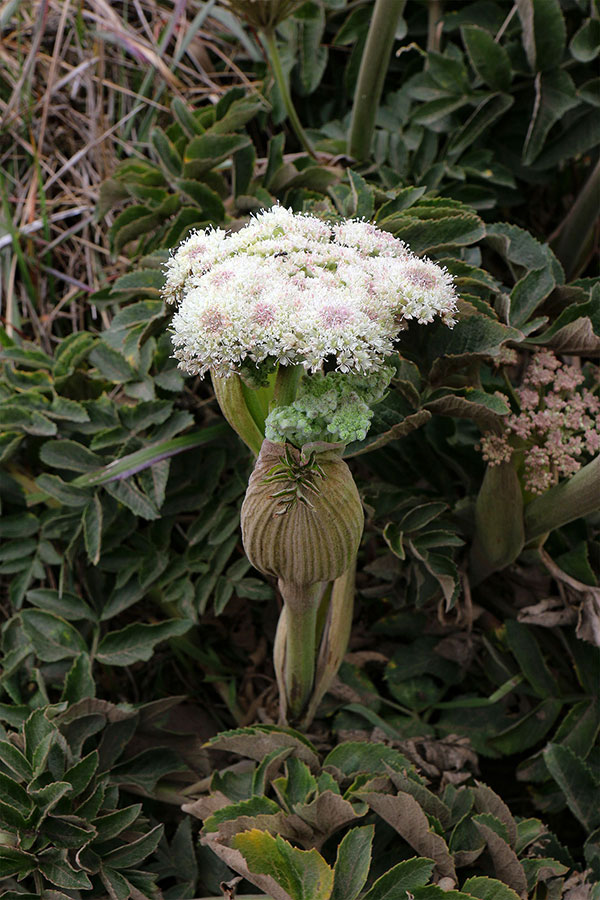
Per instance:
{"type": "Point", "coordinates": [81, 83]}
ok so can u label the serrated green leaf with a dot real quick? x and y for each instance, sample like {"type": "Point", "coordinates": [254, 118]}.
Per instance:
{"type": "Point", "coordinates": [554, 96]}
{"type": "Point", "coordinates": [406, 816]}
{"type": "Point", "coordinates": [208, 200]}
{"type": "Point", "coordinates": [166, 151]}
{"type": "Point", "coordinates": [526, 649]}
{"type": "Point", "coordinates": [237, 114]}
{"type": "Point", "coordinates": [577, 783]}
{"type": "Point", "coordinates": [15, 862]}
{"type": "Point", "coordinates": [142, 281]}
{"type": "Point", "coordinates": [55, 867]}
{"type": "Point", "coordinates": [137, 641]}
{"type": "Point", "coordinates": [544, 33]}
{"type": "Point", "coordinates": [489, 59]}
{"type": "Point", "coordinates": [353, 757]}
{"type": "Point", "coordinates": [313, 53]}
{"type": "Point", "coordinates": [12, 793]}
{"type": "Point", "coordinates": [529, 729]}
{"type": "Point", "coordinates": [423, 235]}
{"type": "Point", "coordinates": [208, 150]}
{"type": "Point", "coordinates": [127, 493]}
{"type": "Point", "coordinates": [92, 529]}
{"type": "Point", "coordinates": [80, 775]}
{"type": "Point", "coordinates": [132, 854]}
{"type": "Point", "coordinates": [67, 494]}
{"type": "Point", "coordinates": [112, 824]}
{"type": "Point", "coordinates": [67, 605]}
{"type": "Point", "coordinates": [405, 877]}
{"type": "Point", "coordinates": [36, 730]}
{"type": "Point", "coordinates": [12, 757]}
{"type": "Point", "coordinates": [67, 832]}
{"type": "Point", "coordinates": [362, 197]}
{"type": "Point", "coordinates": [79, 682]}
{"type": "Point", "coordinates": [352, 864]}
{"type": "Point", "coordinates": [147, 768]}
{"type": "Point", "coordinates": [251, 808]}
{"type": "Point", "coordinates": [111, 364]}
{"type": "Point", "coordinates": [69, 455]}
{"type": "Point", "coordinates": [19, 525]}
{"type": "Point", "coordinates": [11, 818]}
{"type": "Point", "coordinates": [488, 889]}
{"type": "Point", "coordinates": [53, 638]}
{"type": "Point", "coordinates": [585, 43]}
{"type": "Point", "coordinates": [303, 874]}
{"type": "Point", "coordinates": [483, 117]}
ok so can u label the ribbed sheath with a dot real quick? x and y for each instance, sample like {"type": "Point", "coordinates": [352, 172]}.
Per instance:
{"type": "Point", "coordinates": [303, 545]}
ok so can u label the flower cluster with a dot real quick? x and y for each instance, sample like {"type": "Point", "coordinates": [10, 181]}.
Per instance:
{"type": "Point", "coordinates": [290, 288]}
{"type": "Point", "coordinates": [557, 424]}
{"type": "Point", "coordinates": [331, 407]}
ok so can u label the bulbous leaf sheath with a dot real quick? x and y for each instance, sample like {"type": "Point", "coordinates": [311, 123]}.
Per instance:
{"type": "Point", "coordinates": [302, 519]}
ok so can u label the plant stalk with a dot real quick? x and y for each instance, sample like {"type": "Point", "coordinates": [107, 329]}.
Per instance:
{"type": "Point", "coordinates": [281, 82]}
{"type": "Point", "coordinates": [572, 240]}
{"type": "Point", "coordinates": [434, 16]}
{"type": "Point", "coordinates": [334, 642]}
{"type": "Point", "coordinates": [230, 397]}
{"type": "Point", "coordinates": [301, 607]}
{"type": "Point", "coordinates": [286, 385]}
{"type": "Point", "coordinates": [573, 499]}
{"type": "Point", "coordinates": [371, 76]}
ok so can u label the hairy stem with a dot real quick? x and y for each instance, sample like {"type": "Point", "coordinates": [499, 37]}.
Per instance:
{"type": "Point", "coordinates": [301, 607]}
{"type": "Point", "coordinates": [286, 385]}
{"type": "Point", "coordinates": [371, 76]}
{"type": "Point", "coordinates": [281, 82]}
{"type": "Point", "coordinates": [577, 497]}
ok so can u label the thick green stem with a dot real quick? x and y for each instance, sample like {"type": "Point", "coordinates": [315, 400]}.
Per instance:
{"type": "Point", "coordinates": [573, 239]}
{"type": "Point", "coordinates": [286, 385]}
{"type": "Point", "coordinates": [301, 607]}
{"type": "Point", "coordinates": [230, 396]}
{"type": "Point", "coordinates": [499, 535]}
{"type": "Point", "coordinates": [371, 76]}
{"type": "Point", "coordinates": [573, 499]}
{"type": "Point", "coordinates": [281, 82]}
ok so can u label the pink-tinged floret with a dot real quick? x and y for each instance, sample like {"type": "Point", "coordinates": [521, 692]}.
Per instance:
{"type": "Point", "coordinates": [295, 289]}
{"type": "Point", "coordinates": [557, 428]}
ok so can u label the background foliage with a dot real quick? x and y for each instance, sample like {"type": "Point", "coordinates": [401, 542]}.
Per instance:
{"type": "Point", "coordinates": [133, 626]}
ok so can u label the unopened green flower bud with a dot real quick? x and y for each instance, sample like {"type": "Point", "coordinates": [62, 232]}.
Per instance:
{"type": "Point", "coordinates": [302, 519]}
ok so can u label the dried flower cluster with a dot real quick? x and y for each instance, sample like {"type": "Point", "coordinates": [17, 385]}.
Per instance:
{"type": "Point", "coordinates": [557, 425]}
{"type": "Point", "coordinates": [290, 288]}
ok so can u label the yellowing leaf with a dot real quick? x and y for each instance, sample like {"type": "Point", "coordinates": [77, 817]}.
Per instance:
{"type": "Point", "coordinates": [303, 874]}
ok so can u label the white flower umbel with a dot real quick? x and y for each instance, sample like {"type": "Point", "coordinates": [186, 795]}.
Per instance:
{"type": "Point", "coordinates": [292, 289]}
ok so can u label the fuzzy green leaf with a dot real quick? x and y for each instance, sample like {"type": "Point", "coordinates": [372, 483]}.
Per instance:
{"type": "Point", "coordinates": [303, 874]}
{"type": "Point", "coordinates": [352, 864]}
{"type": "Point", "coordinates": [405, 877]}
{"type": "Point", "coordinates": [577, 782]}
{"type": "Point", "coordinates": [137, 641]}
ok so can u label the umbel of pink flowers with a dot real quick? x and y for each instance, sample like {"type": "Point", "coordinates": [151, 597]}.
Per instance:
{"type": "Point", "coordinates": [558, 424]}
{"type": "Point", "coordinates": [292, 289]}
